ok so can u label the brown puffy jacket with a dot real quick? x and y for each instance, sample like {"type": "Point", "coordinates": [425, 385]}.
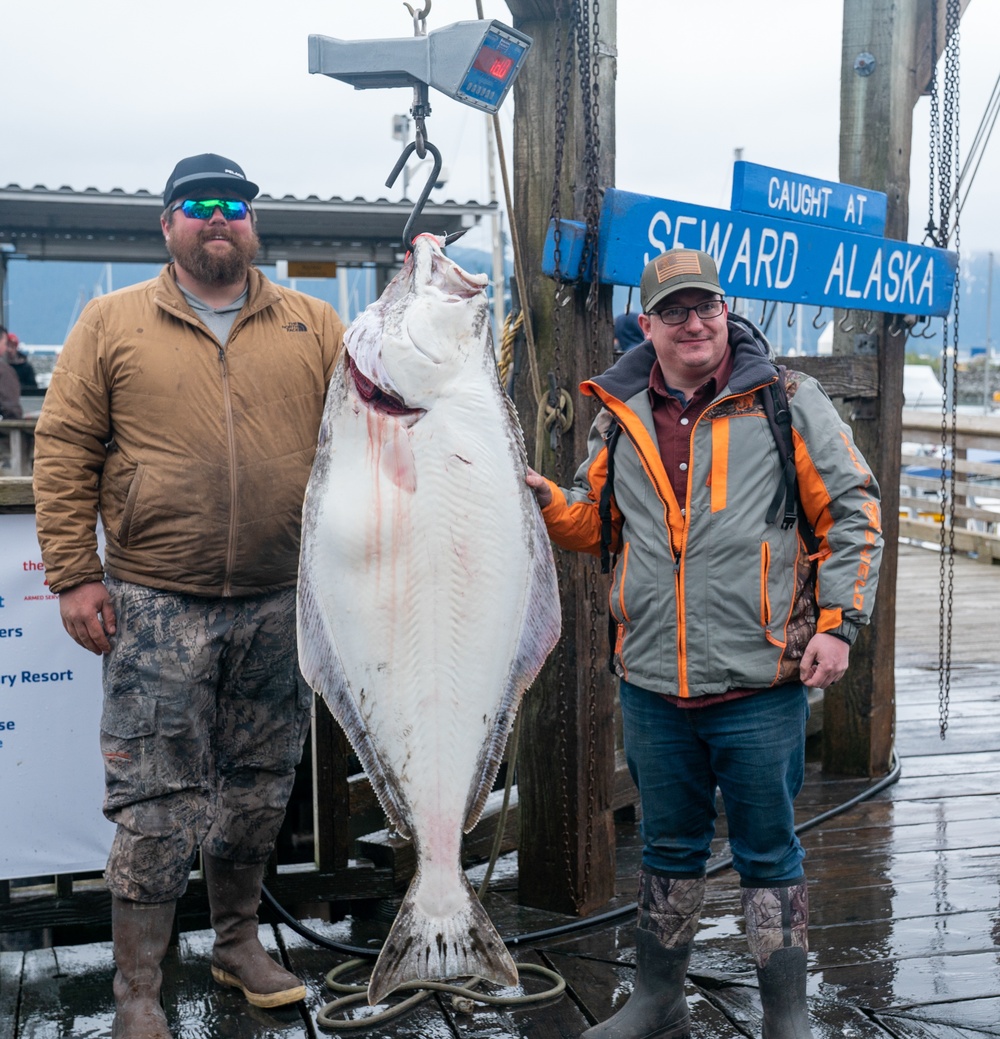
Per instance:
{"type": "Point", "coordinates": [197, 455]}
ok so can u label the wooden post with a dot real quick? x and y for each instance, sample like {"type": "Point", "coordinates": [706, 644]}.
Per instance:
{"type": "Point", "coordinates": [566, 854]}
{"type": "Point", "coordinates": [875, 139]}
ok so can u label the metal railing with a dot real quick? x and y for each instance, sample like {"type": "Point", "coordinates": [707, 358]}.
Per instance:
{"type": "Point", "coordinates": [976, 466]}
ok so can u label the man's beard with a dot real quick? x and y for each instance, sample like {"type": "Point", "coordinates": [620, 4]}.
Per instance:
{"type": "Point", "coordinates": [210, 269]}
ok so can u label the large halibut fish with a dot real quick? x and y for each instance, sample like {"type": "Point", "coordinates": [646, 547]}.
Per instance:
{"type": "Point", "coordinates": [427, 596]}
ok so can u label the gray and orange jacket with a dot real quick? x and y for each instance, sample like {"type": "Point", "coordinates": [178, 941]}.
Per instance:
{"type": "Point", "coordinates": [196, 454]}
{"type": "Point", "coordinates": [707, 595]}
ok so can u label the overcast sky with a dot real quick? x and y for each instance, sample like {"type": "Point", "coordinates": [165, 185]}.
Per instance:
{"type": "Point", "coordinates": [110, 94]}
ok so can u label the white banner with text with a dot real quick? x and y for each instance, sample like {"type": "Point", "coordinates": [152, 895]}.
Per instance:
{"type": "Point", "coordinates": [51, 773]}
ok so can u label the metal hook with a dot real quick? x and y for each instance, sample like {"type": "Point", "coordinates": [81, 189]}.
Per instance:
{"type": "Point", "coordinates": [791, 316]}
{"type": "Point", "coordinates": [869, 327]}
{"type": "Point", "coordinates": [425, 194]}
{"type": "Point", "coordinates": [421, 107]}
{"type": "Point", "coordinates": [419, 18]}
{"type": "Point", "coordinates": [763, 313]}
{"type": "Point", "coordinates": [922, 334]}
{"type": "Point", "coordinates": [897, 326]}
{"type": "Point", "coordinates": [816, 321]}
{"type": "Point", "coordinates": [840, 323]}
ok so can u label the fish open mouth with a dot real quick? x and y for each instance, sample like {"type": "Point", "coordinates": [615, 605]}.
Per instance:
{"type": "Point", "coordinates": [377, 398]}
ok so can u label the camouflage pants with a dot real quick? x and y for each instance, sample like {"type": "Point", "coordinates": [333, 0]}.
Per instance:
{"type": "Point", "coordinates": [205, 715]}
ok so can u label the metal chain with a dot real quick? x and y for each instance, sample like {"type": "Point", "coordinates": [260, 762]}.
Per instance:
{"type": "Point", "coordinates": [935, 131]}
{"type": "Point", "coordinates": [588, 54]}
{"type": "Point", "coordinates": [601, 357]}
{"type": "Point", "coordinates": [562, 72]}
{"type": "Point", "coordinates": [948, 160]}
{"type": "Point", "coordinates": [949, 166]}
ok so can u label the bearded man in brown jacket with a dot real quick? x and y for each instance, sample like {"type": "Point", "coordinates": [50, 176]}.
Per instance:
{"type": "Point", "coordinates": [184, 411]}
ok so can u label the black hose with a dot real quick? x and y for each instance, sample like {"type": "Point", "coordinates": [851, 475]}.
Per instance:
{"type": "Point", "coordinates": [310, 935]}
{"type": "Point", "coordinates": [590, 921]}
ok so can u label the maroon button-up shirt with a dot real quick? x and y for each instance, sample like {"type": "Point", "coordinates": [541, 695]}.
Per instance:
{"type": "Point", "coordinates": [674, 418]}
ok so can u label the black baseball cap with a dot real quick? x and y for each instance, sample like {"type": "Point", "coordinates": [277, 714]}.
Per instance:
{"type": "Point", "coordinates": [208, 171]}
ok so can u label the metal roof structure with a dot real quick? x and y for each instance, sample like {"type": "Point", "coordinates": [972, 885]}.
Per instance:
{"type": "Point", "coordinates": [115, 226]}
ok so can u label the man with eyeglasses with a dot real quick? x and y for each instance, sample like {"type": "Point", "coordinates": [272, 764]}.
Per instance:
{"type": "Point", "coordinates": [720, 620]}
{"type": "Point", "coordinates": [185, 412]}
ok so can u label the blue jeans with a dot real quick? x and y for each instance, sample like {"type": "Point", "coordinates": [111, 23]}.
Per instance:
{"type": "Point", "coordinates": [752, 750]}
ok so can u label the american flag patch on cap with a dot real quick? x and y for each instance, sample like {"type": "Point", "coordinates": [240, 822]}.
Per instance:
{"type": "Point", "coordinates": [669, 265]}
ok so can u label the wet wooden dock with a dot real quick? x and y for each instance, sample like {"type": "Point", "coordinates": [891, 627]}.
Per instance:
{"type": "Point", "coordinates": [904, 888]}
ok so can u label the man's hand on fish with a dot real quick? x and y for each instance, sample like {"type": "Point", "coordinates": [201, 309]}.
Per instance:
{"type": "Point", "coordinates": [88, 616]}
{"type": "Point", "coordinates": [538, 484]}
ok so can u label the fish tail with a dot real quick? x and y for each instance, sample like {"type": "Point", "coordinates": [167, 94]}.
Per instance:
{"type": "Point", "coordinates": [423, 947]}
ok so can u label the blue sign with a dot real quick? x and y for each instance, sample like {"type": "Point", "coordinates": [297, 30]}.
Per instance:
{"type": "Point", "coordinates": [792, 196]}
{"type": "Point", "coordinates": [764, 257]}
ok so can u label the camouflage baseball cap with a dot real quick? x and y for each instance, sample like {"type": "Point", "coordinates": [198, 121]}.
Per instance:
{"type": "Point", "coordinates": [674, 271]}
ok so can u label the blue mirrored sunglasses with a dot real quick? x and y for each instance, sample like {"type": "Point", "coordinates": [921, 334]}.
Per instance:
{"type": "Point", "coordinates": [202, 209]}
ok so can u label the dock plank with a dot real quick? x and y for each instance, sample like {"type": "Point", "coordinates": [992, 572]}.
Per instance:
{"type": "Point", "coordinates": [66, 992]}
{"type": "Point", "coordinates": [11, 965]}
{"type": "Point", "coordinates": [917, 838]}
{"type": "Point", "coordinates": [198, 1005]}
{"type": "Point", "coordinates": [972, 1019]}
{"type": "Point", "coordinates": [860, 905]}
{"type": "Point", "coordinates": [884, 984]}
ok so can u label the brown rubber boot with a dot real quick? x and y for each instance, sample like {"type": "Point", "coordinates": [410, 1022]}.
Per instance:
{"type": "Point", "coordinates": [669, 909]}
{"type": "Point", "coordinates": [140, 934]}
{"type": "Point", "coordinates": [238, 958]}
{"type": "Point", "coordinates": [777, 921]}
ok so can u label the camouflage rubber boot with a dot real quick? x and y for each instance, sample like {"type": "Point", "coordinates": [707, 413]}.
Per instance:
{"type": "Point", "coordinates": [140, 936]}
{"type": "Point", "coordinates": [668, 918]}
{"type": "Point", "coordinates": [238, 958]}
{"type": "Point", "coordinates": [777, 920]}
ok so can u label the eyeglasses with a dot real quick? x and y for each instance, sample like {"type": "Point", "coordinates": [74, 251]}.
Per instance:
{"type": "Point", "coordinates": [679, 315]}
{"type": "Point", "coordinates": [204, 209]}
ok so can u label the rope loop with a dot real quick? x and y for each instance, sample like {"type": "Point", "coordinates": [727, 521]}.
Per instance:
{"type": "Point", "coordinates": [561, 414]}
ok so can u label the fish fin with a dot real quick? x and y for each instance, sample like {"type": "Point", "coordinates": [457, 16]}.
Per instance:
{"type": "Point", "coordinates": [321, 668]}
{"type": "Point", "coordinates": [513, 420]}
{"type": "Point", "coordinates": [419, 946]}
{"type": "Point", "coordinates": [541, 624]}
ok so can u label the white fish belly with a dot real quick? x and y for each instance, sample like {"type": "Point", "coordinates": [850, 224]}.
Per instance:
{"type": "Point", "coordinates": [426, 560]}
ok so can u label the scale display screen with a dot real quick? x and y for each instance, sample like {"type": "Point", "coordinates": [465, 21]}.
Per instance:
{"type": "Point", "coordinates": [492, 70]}
{"type": "Point", "coordinates": [493, 63]}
